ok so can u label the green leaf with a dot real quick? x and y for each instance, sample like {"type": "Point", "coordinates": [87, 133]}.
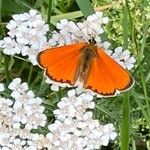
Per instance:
{"type": "Point", "coordinates": [0, 10]}
{"type": "Point", "coordinates": [49, 11]}
{"type": "Point", "coordinates": [140, 104]}
{"type": "Point", "coordinates": [86, 7]}
{"type": "Point", "coordinates": [72, 15]}
{"type": "Point", "coordinates": [125, 25]}
{"type": "Point", "coordinates": [125, 126]}
{"type": "Point", "coordinates": [10, 7]}
{"type": "Point", "coordinates": [38, 3]}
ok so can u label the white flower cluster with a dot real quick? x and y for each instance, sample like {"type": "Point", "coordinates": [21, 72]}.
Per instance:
{"type": "Point", "coordinates": [26, 107]}
{"type": "Point", "coordinates": [26, 36]}
{"type": "Point", "coordinates": [69, 32]}
{"type": "Point", "coordinates": [92, 27]}
{"type": "Point", "coordinates": [19, 115]}
{"type": "Point", "coordinates": [74, 127]}
{"type": "Point", "coordinates": [123, 58]}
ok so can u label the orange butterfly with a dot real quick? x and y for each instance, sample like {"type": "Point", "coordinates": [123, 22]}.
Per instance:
{"type": "Point", "coordinates": [87, 63]}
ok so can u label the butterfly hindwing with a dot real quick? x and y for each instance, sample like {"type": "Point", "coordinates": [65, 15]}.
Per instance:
{"type": "Point", "coordinates": [61, 62]}
{"type": "Point", "coordinates": [105, 75]}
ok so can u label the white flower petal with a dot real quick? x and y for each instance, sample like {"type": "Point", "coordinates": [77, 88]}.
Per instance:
{"type": "Point", "coordinates": [2, 88]}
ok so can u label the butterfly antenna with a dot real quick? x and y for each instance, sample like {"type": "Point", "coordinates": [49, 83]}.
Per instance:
{"type": "Point", "coordinates": [81, 33]}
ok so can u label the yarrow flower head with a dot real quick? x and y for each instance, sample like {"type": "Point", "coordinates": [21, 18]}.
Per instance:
{"type": "Point", "coordinates": [24, 36]}
{"type": "Point", "coordinates": [123, 58]}
{"type": "Point", "coordinates": [19, 114]}
{"type": "Point", "coordinates": [26, 107]}
{"type": "Point", "coordinates": [74, 127]}
{"type": "Point", "coordinates": [70, 32]}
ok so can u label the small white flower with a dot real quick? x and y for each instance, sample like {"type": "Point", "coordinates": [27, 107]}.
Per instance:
{"type": "Point", "coordinates": [63, 23]}
{"type": "Point", "coordinates": [16, 94]}
{"type": "Point", "coordinates": [68, 121]}
{"type": "Point", "coordinates": [16, 125]}
{"type": "Point", "coordinates": [24, 120]}
{"type": "Point", "coordinates": [14, 83]}
{"type": "Point", "coordinates": [129, 63]}
{"type": "Point", "coordinates": [5, 148]}
{"type": "Point", "coordinates": [28, 126]}
{"type": "Point", "coordinates": [71, 93]}
{"type": "Point", "coordinates": [16, 118]}
{"type": "Point", "coordinates": [81, 125]}
{"type": "Point", "coordinates": [55, 87]}
{"type": "Point", "coordinates": [9, 46]}
{"type": "Point", "coordinates": [124, 58]}
{"type": "Point", "coordinates": [2, 88]}
{"type": "Point", "coordinates": [32, 12]}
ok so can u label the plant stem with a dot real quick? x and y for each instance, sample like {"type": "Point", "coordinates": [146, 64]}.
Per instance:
{"type": "Point", "coordinates": [0, 10]}
{"type": "Point", "coordinates": [8, 77]}
{"type": "Point", "coordinates": [125, 126]}
{"type": "Point", "coordinates": [30, 73]}
{"type": "Point", "coordinates": [49, 11]}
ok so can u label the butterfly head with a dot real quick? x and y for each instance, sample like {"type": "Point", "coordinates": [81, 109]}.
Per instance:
{"type": "Point", "coordinates": [92, 41]}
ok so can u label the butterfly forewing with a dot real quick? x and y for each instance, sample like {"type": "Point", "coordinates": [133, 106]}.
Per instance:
{"type": "Point", "coordinates": [61, 63]}
{"type": "Point", "coordinates": [105, 76]}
